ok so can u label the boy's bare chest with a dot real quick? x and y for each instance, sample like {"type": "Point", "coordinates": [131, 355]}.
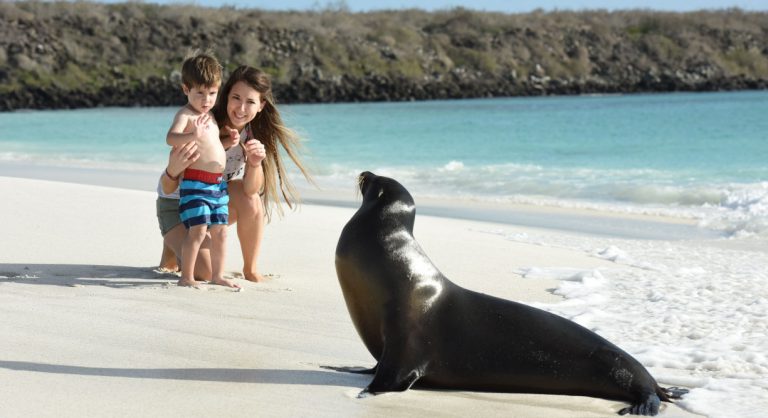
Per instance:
{"type": "Point", "coordinates": [210, 130]}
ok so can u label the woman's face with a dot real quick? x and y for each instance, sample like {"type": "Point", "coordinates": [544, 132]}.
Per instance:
{"type": "Point", "coordinates": [243, 103]}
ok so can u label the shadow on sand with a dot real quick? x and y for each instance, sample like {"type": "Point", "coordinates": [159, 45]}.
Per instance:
{"type": "Point", "coordinates": [77, 275]}
{"type": "Point", "coordinates": [265, 376]}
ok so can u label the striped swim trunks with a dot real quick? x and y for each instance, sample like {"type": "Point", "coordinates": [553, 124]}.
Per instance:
{"type": "Point", "coordinates": [204, 199]}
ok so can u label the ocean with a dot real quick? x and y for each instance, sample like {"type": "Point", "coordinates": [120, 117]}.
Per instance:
{"type": "Point", "coordinates": [698, 156]}
{"type": "Point", "coordinates": [689, 304]}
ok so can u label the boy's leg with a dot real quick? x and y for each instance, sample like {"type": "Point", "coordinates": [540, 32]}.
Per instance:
{"type": "Point", "coordinates": [192, 242]}
{"type": "Point", "coordinates": [203, 263]}
{"type": "Point", "coordinates": [218, 256]}
{"type": "Point", "coordinates": [174, 240]}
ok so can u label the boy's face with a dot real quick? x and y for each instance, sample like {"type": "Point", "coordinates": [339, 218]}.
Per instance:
{"type": "Point", "coordinates": [201, 98]}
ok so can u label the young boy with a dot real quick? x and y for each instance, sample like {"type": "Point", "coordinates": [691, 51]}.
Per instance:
{"type": "Point", "coordinates": [203, 191]}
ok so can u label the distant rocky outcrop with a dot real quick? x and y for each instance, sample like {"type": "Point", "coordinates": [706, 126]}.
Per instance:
{"type": "Point", "coordinates": [67, 55]}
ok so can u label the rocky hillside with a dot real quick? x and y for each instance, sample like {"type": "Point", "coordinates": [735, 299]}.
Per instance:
{"type": "Point", "coordinates": [64, 55]}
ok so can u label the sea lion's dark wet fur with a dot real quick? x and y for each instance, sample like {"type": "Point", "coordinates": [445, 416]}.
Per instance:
{"type": "Point", "coordinates": [423, 329]}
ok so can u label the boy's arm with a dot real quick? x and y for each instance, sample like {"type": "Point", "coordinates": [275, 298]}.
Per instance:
{"type": "Point", "coordinates": [176, 136]}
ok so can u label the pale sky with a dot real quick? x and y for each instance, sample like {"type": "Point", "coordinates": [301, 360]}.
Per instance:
{"type": "Point", "coordinates": [509, 6]}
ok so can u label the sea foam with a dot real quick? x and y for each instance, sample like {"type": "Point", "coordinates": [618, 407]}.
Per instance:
{"type": "Point", "coordinates": [695, 314]}
{"type": "Point", "coordinates": [736, 210]}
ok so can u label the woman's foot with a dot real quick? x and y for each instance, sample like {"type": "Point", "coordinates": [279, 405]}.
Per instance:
{"type": "Point", "coordinates": [255, 277]}
{"type": "Point", "coordinates": [168, 261]}
{"type": "Point", "coordinates": [226, 282]}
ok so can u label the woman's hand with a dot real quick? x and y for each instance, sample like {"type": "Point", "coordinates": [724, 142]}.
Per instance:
{"type": "Point", "coordinates": [254, 152]}
{"type": "Point", "coordinates": [253, 181]}
{"type": "Point", "coordinates": [229, 137]}
{"type": "Point", "coordinates": [181, 158]}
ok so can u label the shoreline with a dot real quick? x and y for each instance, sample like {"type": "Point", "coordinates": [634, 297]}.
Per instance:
{"type": "Point", "coordinates": [573, 220]}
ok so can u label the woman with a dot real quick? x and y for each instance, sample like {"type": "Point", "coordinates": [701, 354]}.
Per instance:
{"type": "Point", "coordinates": [252, 132]}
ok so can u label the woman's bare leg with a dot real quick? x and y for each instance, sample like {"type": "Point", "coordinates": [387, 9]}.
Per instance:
{"type": "Point", "coordinates": [248, 213]}
{"type": "Point", "coordinates": [168, 259]}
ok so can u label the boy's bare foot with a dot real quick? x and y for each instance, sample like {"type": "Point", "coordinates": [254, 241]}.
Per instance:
{"type": "Point", "coordinates": [255, 277]}
{"type": "Point", "coordinates": [188, 283]}
{"type": "Point", "coordinates": [226, 282]}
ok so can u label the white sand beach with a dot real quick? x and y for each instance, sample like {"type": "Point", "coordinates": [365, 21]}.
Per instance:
{"type": "Point", "coordinates": [89, 328]}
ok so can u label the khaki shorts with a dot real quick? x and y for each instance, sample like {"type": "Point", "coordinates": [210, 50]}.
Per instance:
{"type": "Point", "coordinates": [167, 214]}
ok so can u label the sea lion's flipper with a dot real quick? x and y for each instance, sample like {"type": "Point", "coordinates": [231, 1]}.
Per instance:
{"type": "Point", "coordinates": [395, 381]}
{"type": "Point", "coordinates": [650, 407]}
{"type": "Point", "coordinates": [398, 369]}
{"type": "Point", "coordinates": [352, 369]}
{"type": "Point", "coordinates": [675, 392]}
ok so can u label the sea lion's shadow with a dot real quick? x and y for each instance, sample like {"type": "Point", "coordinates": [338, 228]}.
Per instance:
{"type": "Point", "coordinates": [264, 376]}
{"type": "Point", "coordinates": [76, 275]}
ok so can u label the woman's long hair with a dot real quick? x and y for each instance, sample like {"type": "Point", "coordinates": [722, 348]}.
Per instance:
{"type": "Point", "coordinates": [268, 128]}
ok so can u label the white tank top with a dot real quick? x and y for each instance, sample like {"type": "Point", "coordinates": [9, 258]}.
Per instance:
{"type": "Point", "coordinates": [173, 195]}
{"type": "Point", "coordinates": [235, 167]}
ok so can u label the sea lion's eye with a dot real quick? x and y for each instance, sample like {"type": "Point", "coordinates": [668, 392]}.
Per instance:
{"type": "Point", "coordinates": [381, 192]}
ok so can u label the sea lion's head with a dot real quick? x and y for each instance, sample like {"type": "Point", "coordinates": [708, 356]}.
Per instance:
{"type": "Point", "coordinates": [388, 198]}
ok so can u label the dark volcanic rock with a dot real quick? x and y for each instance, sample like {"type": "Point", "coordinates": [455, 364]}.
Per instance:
{"type": "Point", "coordinates": [69, 55]}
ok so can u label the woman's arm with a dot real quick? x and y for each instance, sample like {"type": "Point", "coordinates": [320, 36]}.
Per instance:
{"type": "Point", "coordinates": [253, 180]}
{"type": "Point", "coordinates": [229, 137]}
{"type": "Point", "coordinates": [180, 158]}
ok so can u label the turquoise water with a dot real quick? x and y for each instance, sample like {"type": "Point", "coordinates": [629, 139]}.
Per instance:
{"type": "Point", "coordinates": [688, 155]}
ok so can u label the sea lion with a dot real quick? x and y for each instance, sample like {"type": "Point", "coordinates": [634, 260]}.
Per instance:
{"type": "Point", "coordinates": [422, 328]}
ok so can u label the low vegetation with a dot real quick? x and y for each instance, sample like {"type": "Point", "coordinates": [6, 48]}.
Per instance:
{"type": "Point", "coordinates": [82, 54]}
